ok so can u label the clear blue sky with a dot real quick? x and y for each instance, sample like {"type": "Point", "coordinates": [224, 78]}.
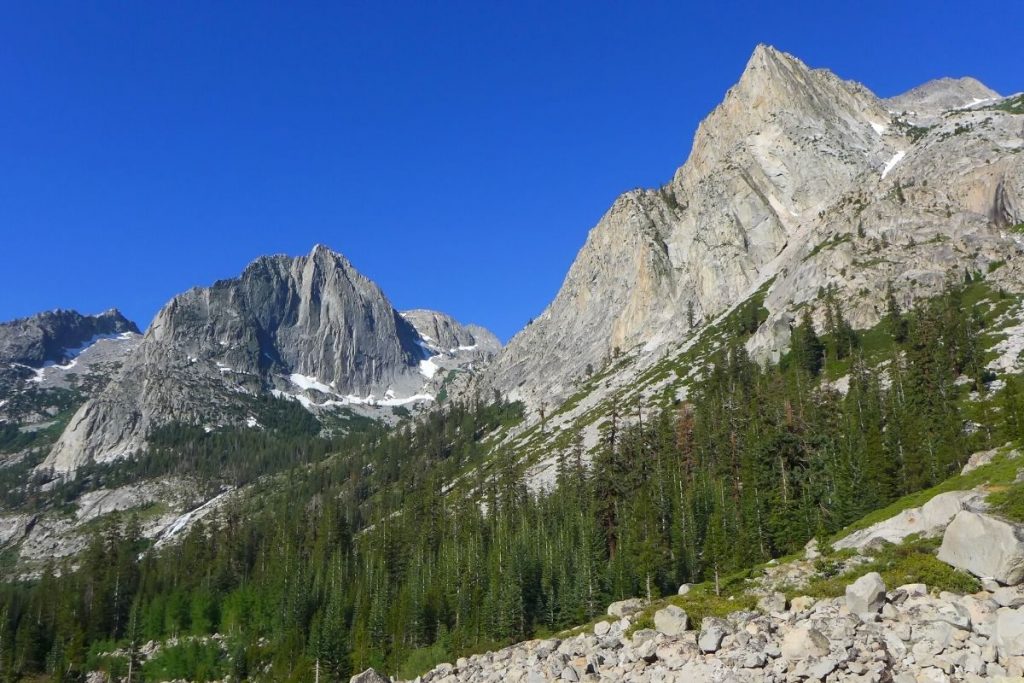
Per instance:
{"type": "Point", "coordinates": [456, 152]}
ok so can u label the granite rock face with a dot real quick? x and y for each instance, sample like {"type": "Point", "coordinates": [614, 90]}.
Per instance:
{"type": "Point", "coordinates": [798, 181]}
{"type": "Point", "coordinates": [309, 328]}
{"type": "Point", "coordinates": [985, 546]}
{"type": "Point", "coordinates": [442, 333]}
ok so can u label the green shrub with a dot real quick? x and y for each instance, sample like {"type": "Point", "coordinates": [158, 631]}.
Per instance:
{"type": "Point", "coordinates": [913, 561]}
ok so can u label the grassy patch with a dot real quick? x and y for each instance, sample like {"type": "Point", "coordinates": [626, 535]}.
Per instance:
{"type": "Point", "coordinates": [702, 602]}
{"type": "Point", "coordinates": [913, 561]}
{"type": "Point", "coordinates": [1009, 502]}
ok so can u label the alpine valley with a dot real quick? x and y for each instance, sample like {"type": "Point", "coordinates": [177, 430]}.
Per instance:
{"type": "Point", "coordinates": [767, 430]}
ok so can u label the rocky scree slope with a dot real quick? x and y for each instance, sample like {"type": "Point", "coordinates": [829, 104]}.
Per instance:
{"type": "Point", "coordinates": [310, 329]}
{"type": "Point", "coordinates": [798, 181]}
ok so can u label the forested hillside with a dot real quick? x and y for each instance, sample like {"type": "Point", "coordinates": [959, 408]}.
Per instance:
{"type": "Point", "coordinates": [404, 547]}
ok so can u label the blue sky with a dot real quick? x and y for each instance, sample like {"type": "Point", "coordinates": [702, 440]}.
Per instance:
{"type": "Point", "coordinates": [456, 152]}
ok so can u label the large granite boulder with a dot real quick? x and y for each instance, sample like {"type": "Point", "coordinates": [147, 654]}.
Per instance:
{"type": "Point", "coordinates": [985, 546]}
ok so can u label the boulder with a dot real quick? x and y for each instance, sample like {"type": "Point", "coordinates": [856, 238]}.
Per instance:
{"type": "Point", "coordinates": [602, 628]}
{"type": "Point", "coordinates": [685, 588]}
{"type": "Point", "coordinates": [801, 604]}
{"type": "Point", "coordinates": [643, 635]}
{"type": "Point", "coordinates": [978, 459]}
{"type": "Point", "coordinates": [804, 642]}
{"type": "Point", "coordinates": [866, 595]}
{"type": "Point", "coordinates": [985, 546]}
{"type": "Point", "coordinates": [982, 613]}
{"type": "Point", "coordinates": [773, 602]}
{"type": "Point", "coordinates": [985, 457]}
{"type": "Point", "coordinates": [914, 590]}
{"type": "Point", "coordinates": [369, 676]}
{"type": "Point", "coordinates": [931, 519]}
{"type": "Point", "coordinates": [672, 621]}
{"type": "Point", "coordinates": [990, 584]}
{"type": "Point", "coordinates": [625, 608]}
{"type": "Point", "coordinates": [1008, 597]}
{"type": "Point", "coordinates": [712, 632]}
{"type": "Point", "coordinates": [1008, 635]}
{"type": "Point", "coordinates": [932, 674]}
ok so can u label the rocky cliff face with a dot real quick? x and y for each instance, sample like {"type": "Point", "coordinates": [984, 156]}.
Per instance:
{"type": "Point", "coordinates": [443, 332]}
{"type": "Point", "coordinates": [800, 179]}
{"type": "Point", "coordinates": [56, 336]}
{"type": "Point", "coordinates": [62, 350]}
{"type": "Point", "coordinates": [310, 328]}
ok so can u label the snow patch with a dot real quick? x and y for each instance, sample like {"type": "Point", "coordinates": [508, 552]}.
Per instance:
{"type": "Point", "coordinates": [305, 382]}
{"type": "Point", "coordinates": [389, 400]}
{"type": "Point", "coordinates": [428, 368]}
{"type": "Point", "coordinates": [78, 350]}
{"type": "Point", "coordinates": [251, 422]}
{"type": "Point", "coordinates": [879, 128]}
{"type": "Point", "coordinates": [978, 100]}
{"type": "Point", "coordinates": [891, 164]}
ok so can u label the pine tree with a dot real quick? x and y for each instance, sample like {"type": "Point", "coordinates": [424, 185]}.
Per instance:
{"type": "Point", "coordinates": [806, 349]}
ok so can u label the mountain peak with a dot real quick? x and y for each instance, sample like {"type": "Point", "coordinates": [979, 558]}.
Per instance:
{"type": "Point", "coordinates": [321, 250]}
{"type": "Point", "coordinates": [764, 52]}
{"type": "Point", "coordinates": [118, 318]}
{"type": "Point", "coordinates": [942, 94]}
{"type": "Point", "coordinates": [325, 256]}
{"type": "Point", "coordinates": [768, 64]}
